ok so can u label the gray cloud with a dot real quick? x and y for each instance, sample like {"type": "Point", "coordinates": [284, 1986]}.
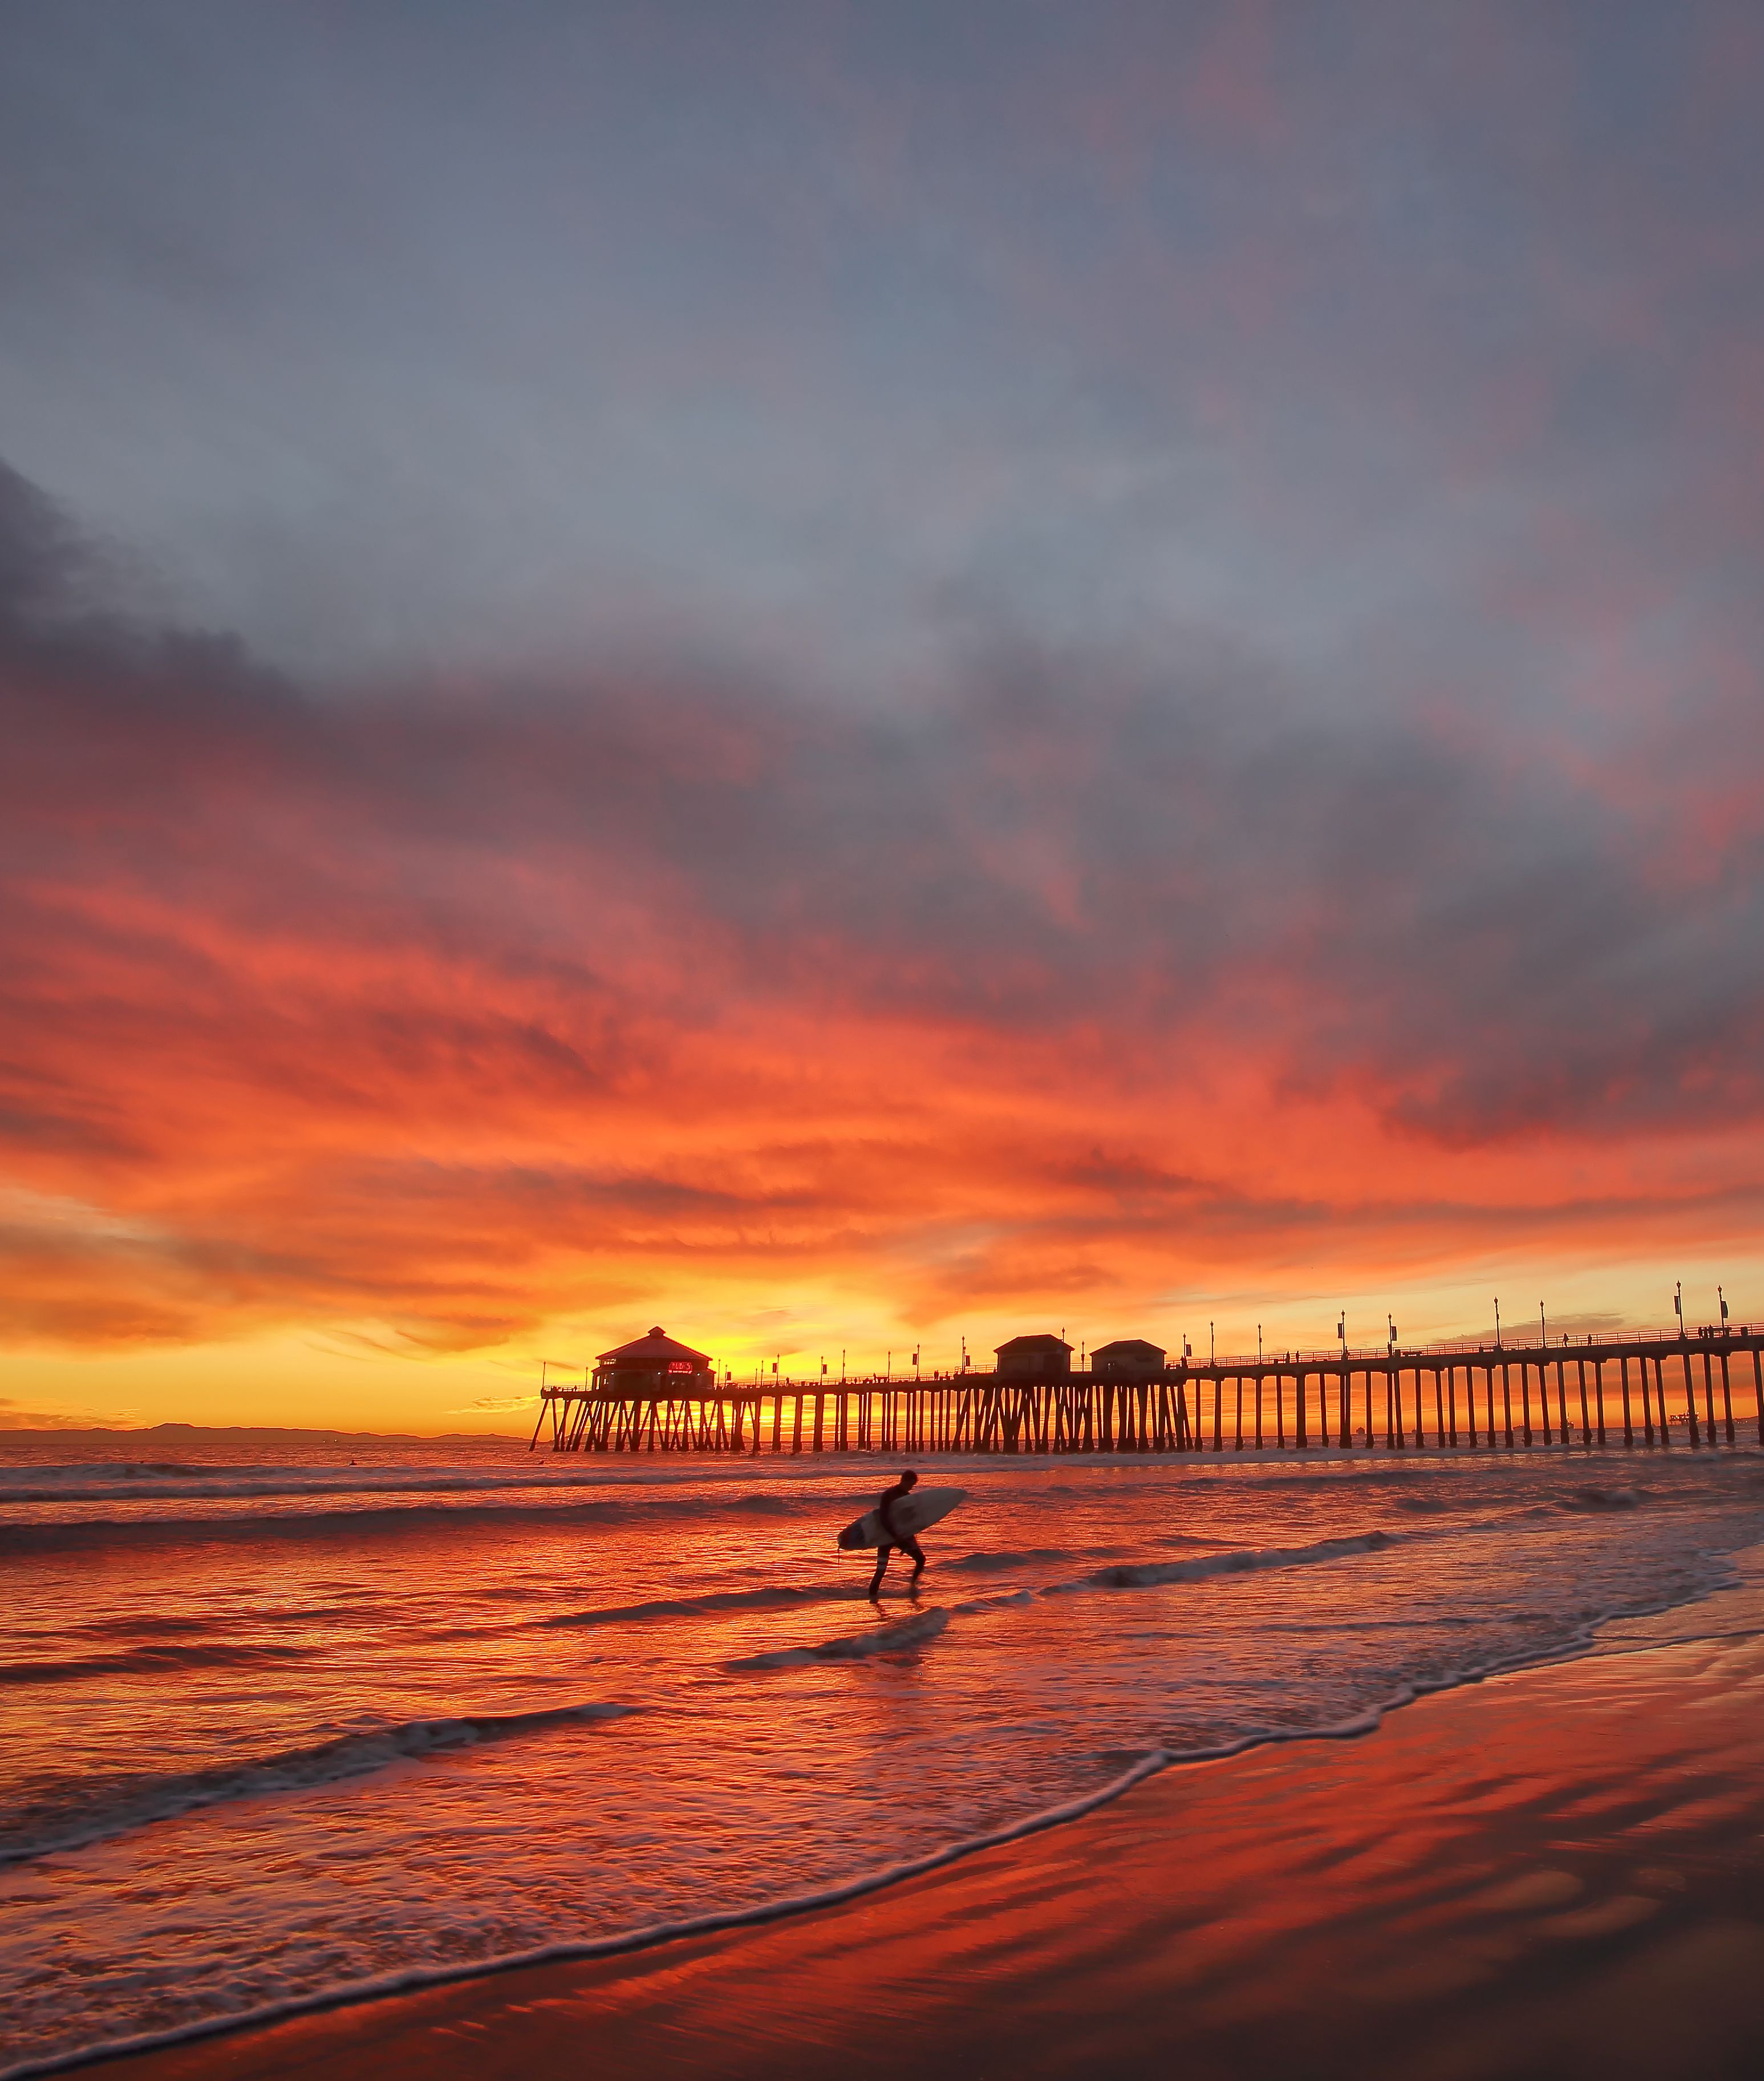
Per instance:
{"type": "Point", "coordinates": [1477, 937]}
{"type": "Point", "coordinates": [479, 335]}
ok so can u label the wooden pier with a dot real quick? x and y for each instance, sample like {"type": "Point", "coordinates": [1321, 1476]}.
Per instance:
{"type": "Point", "coordinates": [1471, 1398]}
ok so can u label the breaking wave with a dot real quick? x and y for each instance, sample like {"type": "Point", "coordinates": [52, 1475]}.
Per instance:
{"type": "Point", "coordinates": [854, 1647]}
{"type": "Point", "coordinates": [150, 1661]}
{"type": "Point", "coordinates": [780, 1598]}
{"type": "Point", "coordinates": [369, 1519]}
{"type": "Point", "coordinates": [1153, 1575]}
{"type": "Point", "coordinates": [1598, 1499]}
{"type": "Point", "coordinates": [128, 1803]}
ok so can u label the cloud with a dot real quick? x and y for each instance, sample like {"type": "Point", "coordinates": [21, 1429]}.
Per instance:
{"type": "Point", "coordinates": [14, 1416]}
{"type": "Point", "coordinates": [443, 1007]}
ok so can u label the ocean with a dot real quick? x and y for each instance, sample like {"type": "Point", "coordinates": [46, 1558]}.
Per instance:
{"type": "Point", "coordinates": [283, 1720]}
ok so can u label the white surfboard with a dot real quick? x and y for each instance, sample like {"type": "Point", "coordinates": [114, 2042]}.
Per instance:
{"type": "Point", "coordinates": [912, 1513]}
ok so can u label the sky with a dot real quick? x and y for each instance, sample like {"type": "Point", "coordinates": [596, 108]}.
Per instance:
{"type": "Point", "coordinates": [849, 677]}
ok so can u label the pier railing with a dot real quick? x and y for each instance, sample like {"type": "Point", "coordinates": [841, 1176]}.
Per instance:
{"type": "Point", "coordinates": [1485, 1397]}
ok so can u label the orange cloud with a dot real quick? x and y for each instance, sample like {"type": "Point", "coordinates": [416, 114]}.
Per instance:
{"type": "Point", "coordinates": [462, 1012]}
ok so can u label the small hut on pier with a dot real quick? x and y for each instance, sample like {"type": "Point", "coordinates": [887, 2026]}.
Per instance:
{"type": "Point", "coordinates": [654, 1365]}
{"type": "Point", "coordinates": [1035, 1358]}
{"type": "Point", "coordinates": [1127, 1358]}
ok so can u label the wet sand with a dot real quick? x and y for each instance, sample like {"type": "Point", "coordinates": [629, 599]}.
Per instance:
{"type": "Point", "coordinates": [1554, 1873]}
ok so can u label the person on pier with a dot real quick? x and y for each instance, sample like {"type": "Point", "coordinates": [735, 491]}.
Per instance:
{"type": "Point", "coordinates": [894, 1534]}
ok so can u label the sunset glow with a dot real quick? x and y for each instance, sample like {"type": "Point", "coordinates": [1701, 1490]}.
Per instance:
{"type": "Point", "coordinates": [1106, 697]}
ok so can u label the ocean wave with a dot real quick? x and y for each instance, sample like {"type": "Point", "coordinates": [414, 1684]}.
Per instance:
{"type": "Point", "coordinates": [1002, 1602]}
{"type": "Point", "coordinates": [1593, 1498]}
{"type": "Point", "coordinates": [63, 1535]}
{"type": "Point", "coordinates": [56, 1478]}
{"type": "Point", "coordinates": [779, 1599]}
{"type": "Point", "coordinates": [152, 1661]}
{"type": "Point", "coordinates": [137, 1628]}
{"type": "Point", "coordinates": [1154, 1575]}
{"type": "Point", "coordinates": [195, 1485]}
{"type": "Point", "coordinates": [408, 1979]}
{"type": "Point", "coordinates": [1149, 1763]}
{"type": "Point", "coordinates": [854, 1647]}
{"type": "Point", "coordinates": [345, 1987]}
{"type": "Point", "coordinates": [141, 1481]}
{"type": "Point", "coordinates": [1122, 1576]}
{"type": "Point", "coordinates": [119, 1805]}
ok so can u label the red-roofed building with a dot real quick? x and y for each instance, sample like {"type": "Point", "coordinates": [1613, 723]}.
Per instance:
{"type": "Point", "coordinates": [654, 1365]}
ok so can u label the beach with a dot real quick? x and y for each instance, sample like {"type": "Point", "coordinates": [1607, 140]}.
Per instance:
{"type": "Point", "coordinates": [1556, 1872]}
{"type": "Point", "coordinates": [315, 1746]}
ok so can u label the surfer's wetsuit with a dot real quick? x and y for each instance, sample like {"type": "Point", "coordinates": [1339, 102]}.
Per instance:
{"type": "Point", "coordinates": [904, 1539]}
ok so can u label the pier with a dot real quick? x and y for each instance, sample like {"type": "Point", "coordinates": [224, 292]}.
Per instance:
{"type": "Point", "coordinates": [1661, 1392]}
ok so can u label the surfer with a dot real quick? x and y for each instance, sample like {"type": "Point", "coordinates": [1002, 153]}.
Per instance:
{"type": "Point", "coordinates": [893, 1535]}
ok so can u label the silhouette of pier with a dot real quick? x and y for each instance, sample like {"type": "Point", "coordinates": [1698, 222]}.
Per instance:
{"type": "Point", "coordinates": [1641, 1392]}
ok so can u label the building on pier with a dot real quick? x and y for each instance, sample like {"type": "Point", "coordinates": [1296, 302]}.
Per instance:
{"type": "Point", "coordinates": [1127, 1358]}
{"type": "Point", "coordinates": [1045, 1357]}
{"type": "Point", "coordinates": [654, 1365]}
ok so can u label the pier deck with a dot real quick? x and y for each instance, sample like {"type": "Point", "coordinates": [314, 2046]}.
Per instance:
{"type": "Point", "coordinates": [1448, 1398]}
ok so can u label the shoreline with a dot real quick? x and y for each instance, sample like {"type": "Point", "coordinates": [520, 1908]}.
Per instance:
{"type": "Point", "coordinates": [1674, 1698]}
